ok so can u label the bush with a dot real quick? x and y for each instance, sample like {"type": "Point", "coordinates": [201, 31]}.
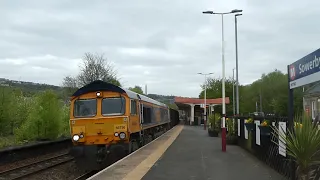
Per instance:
{"type": "Point", "coordinates": [65, 128]}
{"type": "Point", "coordinates": [44, 119]}
{"type": "Point", "coordinates": [214, 121]}
{"type": "Point", "coordinates": [24, 118]}
{"type": "Point", "coordinates": [7, 104]}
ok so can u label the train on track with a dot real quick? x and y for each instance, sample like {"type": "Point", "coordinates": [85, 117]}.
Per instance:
{"type": "Point", "coordinates": [108, 122]}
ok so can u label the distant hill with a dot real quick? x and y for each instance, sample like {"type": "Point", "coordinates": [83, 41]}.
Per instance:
{"type": "Point", "coordinates": [30, 88]}
{"type": "Point", "coordinates": [162, 98]}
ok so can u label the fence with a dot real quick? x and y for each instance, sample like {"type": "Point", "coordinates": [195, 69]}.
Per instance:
{"type": "Point", "coordinates": [261, 145]}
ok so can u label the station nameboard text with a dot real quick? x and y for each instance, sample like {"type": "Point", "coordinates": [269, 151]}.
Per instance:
{"type": "Point", "coordinates": [305, 71]}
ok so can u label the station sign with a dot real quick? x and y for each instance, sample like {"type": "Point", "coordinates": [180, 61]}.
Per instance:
{"type": "Point", "coordinates": [305, 71]}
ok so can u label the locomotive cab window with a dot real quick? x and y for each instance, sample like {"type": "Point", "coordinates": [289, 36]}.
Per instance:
{"type": "Point", "coordinates": [133, 108]}
{"type": "Point", "coordinates": [85, 108]}
{"type": "Point", "coordinates": [113, 106]}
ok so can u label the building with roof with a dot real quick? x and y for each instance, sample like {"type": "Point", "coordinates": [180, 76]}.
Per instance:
{"type": "Point", "coordinates": [311, 100]}
{"type": "Point", "coordinates": [191, 109]}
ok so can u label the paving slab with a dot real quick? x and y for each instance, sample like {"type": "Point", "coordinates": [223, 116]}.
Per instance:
{"type": "Point", "coordinates": [196, 156]}
{"type": "Point", "coordinates": [137, 164]}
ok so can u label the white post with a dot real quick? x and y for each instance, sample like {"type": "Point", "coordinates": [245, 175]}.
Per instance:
{"type": "Point", "coordinates": [223, 130]}
{"type": "Point", "coordinates": [237, 66]}
{"type": "Point", "coordinates": [192, 114]}
{"type": "Point", "coordinates": [223, 80]}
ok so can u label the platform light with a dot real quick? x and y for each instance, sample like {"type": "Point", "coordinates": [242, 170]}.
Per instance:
{"type": "Point", "coordinates": [76, 137]}
{"type": "Point", "coordinates": [122, 135]}
{"type": "Point", "coordinates": [98, 94]}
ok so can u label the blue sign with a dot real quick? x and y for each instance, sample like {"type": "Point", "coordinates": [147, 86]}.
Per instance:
{"type": "Point", "coordinates": [305, 71]}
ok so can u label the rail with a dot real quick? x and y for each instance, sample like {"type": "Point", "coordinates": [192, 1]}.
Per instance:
{"type": "Point", "coordinates": [13, 154]}
{"type": "Point", "coordinates": [34, 167]}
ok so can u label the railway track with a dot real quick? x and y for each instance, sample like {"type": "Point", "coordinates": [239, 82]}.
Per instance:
{"type": "Point", "coordinates": [34, 167]}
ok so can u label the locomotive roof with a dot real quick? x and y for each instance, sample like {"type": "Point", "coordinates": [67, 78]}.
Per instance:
{"type": "Point", "coordinates": [99, 85]}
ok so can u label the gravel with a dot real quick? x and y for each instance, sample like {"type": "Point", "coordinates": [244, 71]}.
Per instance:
{"type": "Point", "coordinates": [30, 160]}
{"type": "Point", "coordinates": [67, 171]}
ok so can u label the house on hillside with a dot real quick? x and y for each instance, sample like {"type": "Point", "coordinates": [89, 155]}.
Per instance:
{"type": "Point", "coordinates": [311, 102]}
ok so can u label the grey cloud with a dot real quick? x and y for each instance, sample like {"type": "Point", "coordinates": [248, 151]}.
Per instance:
{"type": "Point", "coordinates": [159, 43]}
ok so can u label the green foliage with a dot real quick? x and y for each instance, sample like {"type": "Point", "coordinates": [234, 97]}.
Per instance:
{"type": "Point", "coordinates": [302, 143]}
{"type": "Point", "coordinates": [24, 118]}
{"type": "Point", "coordinates": [214, 90]}
{"type": "Point", "coordinates": [44, 120]}
{"type": "Point", "coordinates": [173, 106]}
{"type": "Point", "coordinates": [231, 124]}
{"type": "Point", "coordinates": [65, 128]}
{"type": "Point", "coordinates": [136, 89]}
{"type": "Point", "coordinates": [214, 121]}
{"type": "Point", "coordinates": [273, 88]}
{"type": "Point", "coordinates": [9, 141]}
{"type": "Point", "coordinates": [249, 121]}
{"type": "Point", "coordinates": [6, 105]}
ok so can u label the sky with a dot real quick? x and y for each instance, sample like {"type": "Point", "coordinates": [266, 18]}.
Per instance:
{"type": "Point", "coordinates": [163, 44]}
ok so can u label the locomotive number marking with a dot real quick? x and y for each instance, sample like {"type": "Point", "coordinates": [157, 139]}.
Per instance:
{"type": "Point", "coordinates": [120, 127]}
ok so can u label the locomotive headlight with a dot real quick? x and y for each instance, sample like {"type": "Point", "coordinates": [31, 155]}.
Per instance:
{"type": "Point", "coordinates": [76, 137]}
{"type": "Point", "coordinates": [116, 134]}
{"type": "Point", "coordinates": [122, 135]}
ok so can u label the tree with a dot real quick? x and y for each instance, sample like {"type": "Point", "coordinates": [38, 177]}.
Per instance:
{"type": "Point", "coordinates": [271, 91]}
{"type": "Point", "coordinates": [70, 85]}
{"type": "Point", "coordinates": [93, 67]}
{"type": "Point", "coordinates": [136, 89]}
{"type": "Point", "coordinates": [214, 90]}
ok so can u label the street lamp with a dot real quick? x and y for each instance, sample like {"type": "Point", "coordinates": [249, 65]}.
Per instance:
{"type": "Point", "coordinates": [223, 129]}
{"type": "Point", "coordinates": [237, 69]}
{"type": "Point", "coordinates": [233, 95]}
{"type": "Point", "coordinates": [205, 100]}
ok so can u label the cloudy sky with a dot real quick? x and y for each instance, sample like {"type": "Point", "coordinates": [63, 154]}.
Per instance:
{"type": "Point", "coordinates": [160, 43]}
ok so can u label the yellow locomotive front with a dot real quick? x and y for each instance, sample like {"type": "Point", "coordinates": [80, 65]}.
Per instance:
{"type": "Point", "coordinates": [99, 116]}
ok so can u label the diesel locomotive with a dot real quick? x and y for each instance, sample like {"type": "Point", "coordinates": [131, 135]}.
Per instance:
{"type": "Point", "coordinates": [108, 122]}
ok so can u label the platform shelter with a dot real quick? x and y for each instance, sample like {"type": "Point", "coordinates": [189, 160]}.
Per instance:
{"type": "Point", "coordinates": [191, 109]}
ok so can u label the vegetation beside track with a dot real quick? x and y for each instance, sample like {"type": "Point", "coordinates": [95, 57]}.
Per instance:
{"type": "Point", "coordinates": [23, 119]}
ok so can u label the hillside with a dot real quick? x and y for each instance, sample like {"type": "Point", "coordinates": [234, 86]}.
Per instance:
{"type": "Point", "coordinates": [162, 98]}
{"type": "Point", "coordinates": [30, 88]}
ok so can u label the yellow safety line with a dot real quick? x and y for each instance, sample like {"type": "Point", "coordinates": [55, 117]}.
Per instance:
{"type": "Point", "coordinates": [138, 172]}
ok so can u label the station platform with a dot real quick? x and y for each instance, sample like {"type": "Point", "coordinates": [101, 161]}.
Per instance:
{"type": "Point", "coordinates": [188, 153]}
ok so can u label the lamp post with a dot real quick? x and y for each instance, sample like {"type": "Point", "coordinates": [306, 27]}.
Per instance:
{"type": "Point", "coordinates": [205, 100]}
{"type": "Point", "coordinates": [233, 93]}
{"type": "Point", "coordinates": [237, 69]}
{"type": "Point", "coordinates": [223, 129]}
